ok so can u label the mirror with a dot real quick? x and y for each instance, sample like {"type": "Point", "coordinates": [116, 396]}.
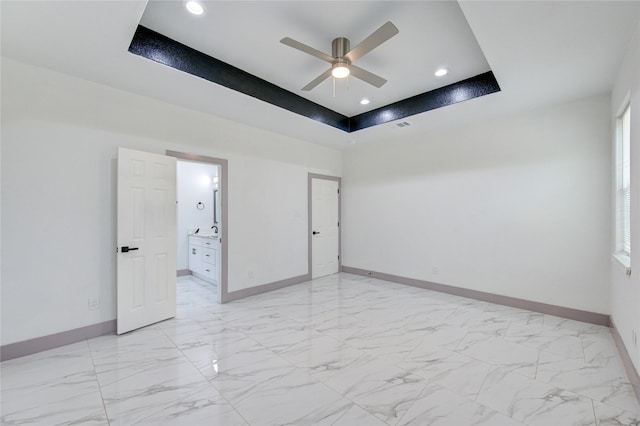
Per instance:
{"type": "Point", "coordinates": [216, 216]}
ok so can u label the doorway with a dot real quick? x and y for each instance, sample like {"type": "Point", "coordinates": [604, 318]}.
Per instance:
{"type": "Point", "coordinates": [324, 206]}
{"type": "Point", "coordinates": [202, 228]}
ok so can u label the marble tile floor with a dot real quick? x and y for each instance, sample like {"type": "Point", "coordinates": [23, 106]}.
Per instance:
{"type": "Point", "coordinates": [339, 350]}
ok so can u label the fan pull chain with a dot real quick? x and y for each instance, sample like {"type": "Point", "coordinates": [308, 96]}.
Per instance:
{"type": "Point", "coordinates": [334, 86]}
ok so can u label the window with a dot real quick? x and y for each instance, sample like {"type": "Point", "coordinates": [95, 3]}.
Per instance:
{"type": "Point", "coordinates": [623, 184]}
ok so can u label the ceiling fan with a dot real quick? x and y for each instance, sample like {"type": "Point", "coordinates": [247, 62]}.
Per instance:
{"type": "Point", "coordinates": [343, 57]}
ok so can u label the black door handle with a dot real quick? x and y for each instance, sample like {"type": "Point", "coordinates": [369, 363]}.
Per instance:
{"type": "Point", "coordinates": [316, 232]}
{"type": "Point", "coordinates": [126, 249]}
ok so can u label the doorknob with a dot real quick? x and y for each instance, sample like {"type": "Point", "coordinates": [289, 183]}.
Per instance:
{"type": "Point", "coordinates": [126, 249]}
{"type": "Point", "coordinates": [316, 232]}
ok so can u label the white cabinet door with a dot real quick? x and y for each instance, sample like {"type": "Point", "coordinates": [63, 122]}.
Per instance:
{"type": "Point", "coordinates": [324, 227]}
{"type": "Point", "coordinates": [195, 258]}
{"type": "Point", "coordinates": [146, 238]}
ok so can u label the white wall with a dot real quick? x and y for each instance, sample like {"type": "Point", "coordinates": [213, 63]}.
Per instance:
{"type": "Point", "coordinates": [59, 146]}
{"type": "Point", "coordinates": [516, 207]}
{"type": "Point", "coordinates": [625, 290]}
{"type": "Point", "coordinates": [194, 184]}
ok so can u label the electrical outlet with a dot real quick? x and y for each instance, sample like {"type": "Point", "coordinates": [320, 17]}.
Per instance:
{"type": "Point", "coordinates": [94, 303]}
{"type": "Point", "coordinates": [634, 338]}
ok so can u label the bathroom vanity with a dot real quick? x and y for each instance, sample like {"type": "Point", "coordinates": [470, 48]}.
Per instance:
{"type": "Point", "coordinates": [203, 256]}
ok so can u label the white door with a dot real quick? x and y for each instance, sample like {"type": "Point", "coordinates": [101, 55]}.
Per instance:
{"type": "Point", "coordinates": [324, 227]}
{"type": "Point", "coordinates": [146, 238]}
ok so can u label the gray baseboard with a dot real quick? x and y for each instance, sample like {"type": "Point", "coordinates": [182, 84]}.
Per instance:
{"type": "Point", "coordinates": [264, 288]}
{"type": "Point", "coordinates": [632, 373]}
{"type": "Point", "coordinates": [544, 308]}
{"type": "Point", "coordinates": [39, 344]}
{"type": "Point", "coordinates": [183, 272]}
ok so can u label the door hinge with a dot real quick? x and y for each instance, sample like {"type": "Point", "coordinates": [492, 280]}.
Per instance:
{"type": "Point", "coordinates": [338, 224]}
{"type": "Point", "coordinates": [338, 257]}
{"type": "Point", "coordinates": [338, 190]}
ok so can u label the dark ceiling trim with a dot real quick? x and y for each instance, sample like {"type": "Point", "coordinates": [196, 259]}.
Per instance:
{"type": "Point", "coordinates": [162, 49]}
{"type": "Point", "coordinates": [159, 48]}
{"type": "Point", "coordinates": [464, 90]}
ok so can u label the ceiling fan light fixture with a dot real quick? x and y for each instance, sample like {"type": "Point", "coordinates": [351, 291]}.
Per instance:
{"type": "Point", "coordinates": [194, 7]}
{"type": "Point", "coordinates": [340, 70]}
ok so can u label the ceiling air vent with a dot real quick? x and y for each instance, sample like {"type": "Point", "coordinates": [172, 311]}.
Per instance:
{"type": "Point", "coordinates": [403, 124]}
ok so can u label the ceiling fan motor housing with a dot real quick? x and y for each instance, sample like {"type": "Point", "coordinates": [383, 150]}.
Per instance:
{"type": "Point", "coordinates": [339, 48]}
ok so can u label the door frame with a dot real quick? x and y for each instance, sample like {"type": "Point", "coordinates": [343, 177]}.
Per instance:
{"type": "Point", "coordinates": [310, 178]}
{"type": "Point", "coordinates": [224, 241]}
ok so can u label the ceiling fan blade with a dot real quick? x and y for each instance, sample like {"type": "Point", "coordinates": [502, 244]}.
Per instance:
{"type": "Point", "coordinates": [322, 77]}
{"type": "Point", "coordinates": [307, 49]}
{"type": "Point", "coordinates": [366, 76]}
{"type": "Point", "coordinates": [378, 37]}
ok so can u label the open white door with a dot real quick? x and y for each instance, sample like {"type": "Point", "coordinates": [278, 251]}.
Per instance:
{"type": "Point", "coordinates": [324, 227]}
{"type": "Point", "coordinates": [146, 238]}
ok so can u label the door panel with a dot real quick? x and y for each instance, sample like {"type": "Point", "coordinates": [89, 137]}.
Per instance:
{"type": "Point", "coordinates": [324, 227]}
{"type": "Point", "coordinates": [146, 282]}
{"type": "Point", "coordinates": [162, 260]}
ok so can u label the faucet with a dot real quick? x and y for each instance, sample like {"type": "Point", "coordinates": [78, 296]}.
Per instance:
{"type": "Point", "coordinates": [215, 228]}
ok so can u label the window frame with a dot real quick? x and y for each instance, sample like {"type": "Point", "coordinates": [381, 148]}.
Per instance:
{"type": "Point", "coordinates": [622, 205]}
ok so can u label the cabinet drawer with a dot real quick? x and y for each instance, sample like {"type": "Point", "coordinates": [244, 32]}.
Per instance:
{"type": "Point", "coordinates": [208, 256]}
{"type": "Point", "coordinates": [206, 242]}
{"type": "Point", "coordinates": [209, 271]}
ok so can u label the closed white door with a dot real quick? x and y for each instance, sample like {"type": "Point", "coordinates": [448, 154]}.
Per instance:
{"type": "Point", "coordinates": [324, 227]}
{"type": "Point", "coordinates": [146, 238]}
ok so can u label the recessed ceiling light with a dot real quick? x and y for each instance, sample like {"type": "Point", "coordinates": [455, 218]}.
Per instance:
{"type": "Point", "coordinates": [364, 101]}
{"type": "Point", "coordinates": [194, 7]}
{"type": "Point", "coordinates": [441, 72]}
